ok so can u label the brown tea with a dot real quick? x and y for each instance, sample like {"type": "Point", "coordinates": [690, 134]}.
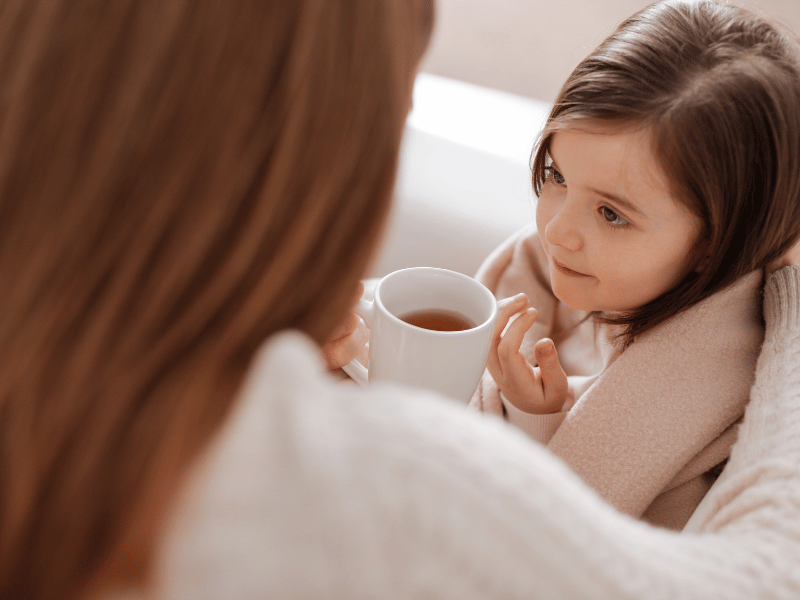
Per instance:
{"type": "Point", "coordinates": [438, 320]}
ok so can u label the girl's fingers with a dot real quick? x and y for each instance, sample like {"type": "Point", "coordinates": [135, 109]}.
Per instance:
{"type": "Point", "coordinates": [512, 339]}
{"type": "Point", "coordinates": [506, 308]}
{"type": "Point", "coordinates": [554, 380]}
{"type": "Point", "coordinates": [512, 364]}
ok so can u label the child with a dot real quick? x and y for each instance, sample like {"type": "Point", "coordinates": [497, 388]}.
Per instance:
{"type": "Point", "coordinates": [667, 179]}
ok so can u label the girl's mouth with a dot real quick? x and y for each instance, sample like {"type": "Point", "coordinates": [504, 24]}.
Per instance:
{"type": "Point", "coordinates": [567, 271]}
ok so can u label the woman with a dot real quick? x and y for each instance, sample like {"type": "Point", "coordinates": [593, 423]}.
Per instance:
{"type": "Point", "coordinates": [182, 184]}
{"type": "Point", "coordinates": [163, 212]}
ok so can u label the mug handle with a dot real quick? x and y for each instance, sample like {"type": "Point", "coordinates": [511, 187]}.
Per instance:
{"type": "Point", "coordinates": [355, 369]}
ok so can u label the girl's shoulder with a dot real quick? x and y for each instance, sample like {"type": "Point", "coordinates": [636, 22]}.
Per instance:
{"type": "Point", "coordinates": [728, 320]}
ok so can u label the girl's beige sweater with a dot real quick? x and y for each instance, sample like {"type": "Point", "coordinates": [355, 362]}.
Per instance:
{"type": "Point", "coordinates": [647, 427]}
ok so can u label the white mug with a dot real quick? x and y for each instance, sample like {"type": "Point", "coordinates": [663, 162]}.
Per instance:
{"type": "Point", "coordinates": [448, 362]}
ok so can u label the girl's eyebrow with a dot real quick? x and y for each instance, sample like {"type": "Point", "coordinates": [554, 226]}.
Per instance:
{"type": "Point", "coordinates": [620, 200]}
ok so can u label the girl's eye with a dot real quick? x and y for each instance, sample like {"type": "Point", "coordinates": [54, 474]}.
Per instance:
{"type": "Point", "coordinates": [557, 177]}
{"type": "Point", "coordinates": [612, 218]}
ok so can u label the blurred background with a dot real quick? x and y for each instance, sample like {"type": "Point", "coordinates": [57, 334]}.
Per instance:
{"type": "Point", "coordinates": [529, 47]}
{"type": "Point", "coordinates": [491, 73]}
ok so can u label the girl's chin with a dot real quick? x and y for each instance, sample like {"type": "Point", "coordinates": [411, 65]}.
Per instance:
{"type": "Point", "coordinates": [578, 295]}
{"type": "Point", "coordinates": [574, 303]}
{"type": "Point", "coordinates": [584, 305]}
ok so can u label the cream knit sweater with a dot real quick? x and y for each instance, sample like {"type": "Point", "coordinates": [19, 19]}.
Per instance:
{"type": "Point", "coordinates": [316, 489]}
{"type": "Point", "coordinates": [645, 425]}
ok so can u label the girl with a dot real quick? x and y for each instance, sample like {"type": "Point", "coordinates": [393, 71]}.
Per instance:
{"type": "Point", "coordinates": [667, 178]}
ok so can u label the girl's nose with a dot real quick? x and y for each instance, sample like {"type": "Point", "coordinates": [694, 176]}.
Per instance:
{"type": "Point", "coordinates": [563, 229]}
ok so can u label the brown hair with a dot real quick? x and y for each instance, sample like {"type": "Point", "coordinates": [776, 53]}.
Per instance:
{"type": "Point", "coordinates": [178, 181]}
{"type": "Point", "coordinates": [720, 89]}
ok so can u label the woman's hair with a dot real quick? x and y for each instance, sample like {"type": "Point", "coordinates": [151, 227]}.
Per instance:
{"type": "Point", "coordinates": [178, 181]}
{"type": "Point", "coordinates": [719, 89]}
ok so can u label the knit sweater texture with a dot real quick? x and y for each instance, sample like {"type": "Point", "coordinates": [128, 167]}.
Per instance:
{"type": "Point", "coordinates": [316, 489]}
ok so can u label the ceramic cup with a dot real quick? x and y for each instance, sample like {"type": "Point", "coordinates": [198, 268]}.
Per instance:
{"type": "Point", "coordinates": [448, 362]}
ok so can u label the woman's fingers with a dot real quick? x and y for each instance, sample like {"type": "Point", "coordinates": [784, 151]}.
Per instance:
{"type": "Point", "coordinates": [351, 321]}
{"type": "Point", "coordinates": [345, 328]}
{"type": "Point", "coordinates": [351, 345]}
{"type": "Point", "coordinates": [359, 291]}
{"type": "Point", "coordinates": [348, 340]}
{"type": "Point", "coordinates": [554, 380]}
{"type": "Point", "coordinates": [506, 308]}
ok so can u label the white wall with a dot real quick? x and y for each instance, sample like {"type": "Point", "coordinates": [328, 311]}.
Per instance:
{"type": "Point", "coordinates": [464, 183]}
{"type": "Point", "coordinates": [529, 47]}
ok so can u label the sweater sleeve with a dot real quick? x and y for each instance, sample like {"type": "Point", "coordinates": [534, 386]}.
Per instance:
{"type": "Point", "coordinates": [540, 427]}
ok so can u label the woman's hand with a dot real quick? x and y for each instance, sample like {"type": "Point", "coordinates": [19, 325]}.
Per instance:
{"type": "Point", "coordinates": [348, 340]}
{"type": "Point", "coordinates": [537, 390]}
{"type": "Point", "coordinates": [792, 257]}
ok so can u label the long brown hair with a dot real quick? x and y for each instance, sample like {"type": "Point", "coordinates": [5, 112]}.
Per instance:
{"type": "Point", "coordinates": [720, 89]}
{"type": "Point", "coordinates": [178, 181]}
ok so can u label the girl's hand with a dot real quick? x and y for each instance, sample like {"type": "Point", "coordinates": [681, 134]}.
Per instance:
{"type": "Point", "coordinates": [792, 257]}
{"type": "Point", "coordinates": [537, 390]}
{"type": "Point", "coordinates": [348, 340]}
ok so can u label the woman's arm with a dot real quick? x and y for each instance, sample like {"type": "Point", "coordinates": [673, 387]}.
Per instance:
{"type": "Point", "coordinates": [316, 489]}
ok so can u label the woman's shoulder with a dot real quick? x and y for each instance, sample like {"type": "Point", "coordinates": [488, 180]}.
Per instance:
{"type": "Point", "coordinates": [306, 461]}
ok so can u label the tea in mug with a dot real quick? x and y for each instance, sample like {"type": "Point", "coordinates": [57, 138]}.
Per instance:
{"type": "Point", "coordinates": [438, 320]}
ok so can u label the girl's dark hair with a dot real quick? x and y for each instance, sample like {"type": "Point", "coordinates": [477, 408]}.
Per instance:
{"type": "Point", "coordinates": [719, 87]}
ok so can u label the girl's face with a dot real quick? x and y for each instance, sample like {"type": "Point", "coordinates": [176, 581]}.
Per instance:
{"type": "Point", "coordinates": [614, 236]}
